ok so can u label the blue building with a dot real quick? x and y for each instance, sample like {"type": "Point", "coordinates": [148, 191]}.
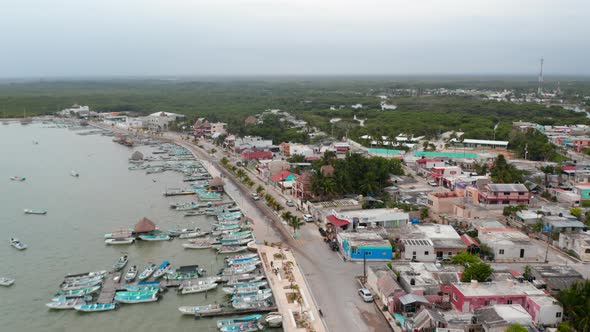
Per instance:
{"type": "Point", "coordinates": [359, 246]}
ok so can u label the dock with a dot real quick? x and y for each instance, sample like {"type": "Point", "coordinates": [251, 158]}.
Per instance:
{"type": "Point", "coordinates": [109, 287]}
{"type": "Point", "coordinates": [232, 311]}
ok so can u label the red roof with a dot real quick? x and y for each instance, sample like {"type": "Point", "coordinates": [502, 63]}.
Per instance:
{"type": "Point", "coordinates": [469, 241]}
{"type": "Point", "coordinates": [280, 176]}
{"type": "Point", "coordinates": [568, 168]}
{"type": "Point", "coordinates": [257, 155]}
{"type": "Point", "coordinates": [426, 160]}
{"type": "Point", "coordinates": [332, 219]}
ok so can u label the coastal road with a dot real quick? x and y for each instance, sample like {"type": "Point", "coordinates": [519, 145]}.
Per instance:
{"type": "Point", "coordinates": [331, 279]}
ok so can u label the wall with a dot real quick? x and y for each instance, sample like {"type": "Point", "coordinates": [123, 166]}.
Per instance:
{"type": "Point", "coordinates": [543, 314]}
{"type": "Point", "coordinates": [469, 304]}
{"type": "Point", "coordinates": [421, 256]}
{"type": "Point", "coordinates": [512, 251]}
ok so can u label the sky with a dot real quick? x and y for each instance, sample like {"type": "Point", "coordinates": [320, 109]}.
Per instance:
{"type": "Point", "coordinates": [74, 38]}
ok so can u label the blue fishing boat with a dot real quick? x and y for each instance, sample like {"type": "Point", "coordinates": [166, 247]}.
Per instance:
{"type": "Point", "coordinates": [162, 269]}
{"type": "Point", "coordinates": [136, 293]}
{"type": "Point", "coordinates": [97, 307]}
{"type": "Point", "coordinates": [209, 196]}
{"type": "Point", "coordinates": [230, 216]}
{"type": "Point", "coordinates": [159, 237]}
{"type": "Point", "coordinates": [238, 320]}
{"type": "Point", "coordinates": [140, 298]}
{"type": "Point", "coordinates": [239, 258]}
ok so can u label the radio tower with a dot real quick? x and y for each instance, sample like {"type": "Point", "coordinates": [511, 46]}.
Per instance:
{"type": "Point", "coordinates": [540, 88]}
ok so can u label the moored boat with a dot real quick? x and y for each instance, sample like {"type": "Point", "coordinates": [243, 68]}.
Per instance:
{"type": "Point", "coordinates": [65, 304]}
{"type": "Point", "coordinates": [273, 319]}
{"type": "Point", "coordinates": [240, 258]}
{"type": "Point", "coordinates": [18, 178]}
{"type": "Point", "coordinates": [194, 213]}
{"type": "Point", "coordinates": [120, 263]}
{"type": "Point", "coordinates": [162, 269]}
{"type": "Point", "coordinates": [237, 279]}
{"type": "Point", "coordinates": [120, 240]}
{"type": "Point", "coordinates": [205, 309]}
{"type": "Point", "coordinates": [83, 276]}
{"type": "Point", "coordinates": [237, 270]}
{"type": "Point", "coordinates": [126, 293]}
{"type": "Point", "coordinates": [136, 298]}
{"type": "Point", "coordinates": [81, 283]}
{"type": "Point", "coordinates": [259, 294]}
{"type": "Point", "coordinates": [96, 307]}
{"type": "Point", "coordinates": [198, 244]}
{"type": "Point", "coordinates": [196, 287]}
{"type": "Point", "coordinates": [18, 244]}
{"type": "Point", "coordinates": [142, 288]}
{"type": "Point", "coordinates": [148, 272]}
{"type": "Point", "coordinates": [245, 287]}
{"type": "Point", "coordinates": [159, 237]}
{"type": "Point", "coordinates": [35, 211]}
{"type": "Point", "coordinates": [243, 327]}
{"type": "Point", "coordinates": [231, 249]}
{"type": "Point", "coordinates": [79, 292]}
{"type": "Point", "coordinates": [239, 304]}
{"type": "Point", "coordinates": [75, 174]}
{"type": "Point", "coordinates": [131, 273]}
{"type": "Point", "coordinates": [238, 320]}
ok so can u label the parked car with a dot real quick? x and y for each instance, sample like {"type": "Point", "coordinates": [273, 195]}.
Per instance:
{"type": "Point", "coordinates": [290, 203]}
{"type": "Point", "coordinates": [255, 196]}
{"type": "Point", "coordinates": [433, 183]}
{"type": "Point", "coordinates": [366, 295]}
{"type": "Point", "coordinates": [308, 218]}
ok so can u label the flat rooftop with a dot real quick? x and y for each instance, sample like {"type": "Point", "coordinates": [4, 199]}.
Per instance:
{"type": "Point", "coordinates": [499, 288]}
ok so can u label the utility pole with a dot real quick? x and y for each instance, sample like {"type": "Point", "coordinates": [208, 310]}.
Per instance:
{"type": "Point", "coordinates": [364, 266]}
{"type": "Point", "coordinates": [540, 87]}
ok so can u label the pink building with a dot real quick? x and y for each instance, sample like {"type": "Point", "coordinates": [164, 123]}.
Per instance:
{"type": "Point", "coordinates": [467, 297]}
{"type": "Point", "coordinates": [505, 194]}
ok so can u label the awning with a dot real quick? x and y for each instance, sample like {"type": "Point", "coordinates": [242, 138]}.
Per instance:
{"type": "Point", "coordinates": [332, 219]}
{"type": "Point", "coordinates": [469, 241]}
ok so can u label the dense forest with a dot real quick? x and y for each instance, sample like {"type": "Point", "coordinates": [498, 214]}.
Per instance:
{"type": "Point", "coordinates": [232, 101]}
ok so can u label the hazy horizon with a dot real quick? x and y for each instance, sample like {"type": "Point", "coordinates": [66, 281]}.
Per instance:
{"type": "Point", "coordinates": [253, 38]}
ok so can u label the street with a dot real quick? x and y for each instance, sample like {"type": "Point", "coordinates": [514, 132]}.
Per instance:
{"type": "Point", "coordinates": [331, 279]}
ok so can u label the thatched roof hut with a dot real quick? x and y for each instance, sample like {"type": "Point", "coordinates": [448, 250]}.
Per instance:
{"type": "Point", "coordinates": [144, 225]}
{"type": "Point", "coordinates": [216, 182]}
{"type": "Point", "coordinates": [137, 156]}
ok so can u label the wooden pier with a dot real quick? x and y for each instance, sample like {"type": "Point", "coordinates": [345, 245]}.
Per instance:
{"type": "Point", "coordinates": [232, 311]}
{"type": "Point", "coordinates": [109, 287]}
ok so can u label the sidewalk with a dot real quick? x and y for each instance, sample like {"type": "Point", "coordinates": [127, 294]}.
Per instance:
{"type": "Point", "coordinates": [290, 291]}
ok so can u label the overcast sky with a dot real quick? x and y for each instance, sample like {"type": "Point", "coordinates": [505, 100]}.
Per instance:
{"type": "Point", "coordinates": [42, 38]}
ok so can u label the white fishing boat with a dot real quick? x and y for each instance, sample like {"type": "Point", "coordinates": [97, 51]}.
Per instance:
{"type": "Point", "coordinates": [120, 263]}
{"type": "Point", "coordinates": [75, 174]}
{"type": "Point", "coordinates": [162, 270]}
{"type": "Point", "coordinates": [240, 304]}
{"type": "Point", "coordinates": [65, 305]}
{"type": "Point", "coordinates": [34, 211]}
{"type": "Point", "coordinates": [131, 273]}
{"type": "Point", "coordinates": [260, 294]}
{"type": "Point", "coordinates": [120, 240]}
{"type": "Point", "coordinates": [241, 290]}
{"type": "Point", "coordinates": [240, 258]}
{"type": "Point", "coordinates": [18, 244]}
{"type": "Point", "coordinates": [70, 278]}
{"type": "Point", "coordinates": [81, 284]}
{"type": "Point", "coordinates": [160, 237]}
{"type": "Point", "coordinates": [198, 244]}
{"type": "Point", "coordinates": [147, 272]}
{"type": "Point", "coordinates": [196, 287]}
{"type": "Point", "coordinates": [6, 281]}
{"type": "Point", "coordinates": [228, 271]}
{"type": "Point", "coordinates": [233, 280]}
{"type": "Point", "coordinates": [18, 178]}
{"type": "Point", "coordinates": [205, 309]}
{"type": "Point", "coordinates": [255, 262]}
{"type": "Point", "coordinates": [245, 286]}
{"type": "Point", "coordinates": [273, 319]}
{"type": "Point", "coordinates": [231, 249]}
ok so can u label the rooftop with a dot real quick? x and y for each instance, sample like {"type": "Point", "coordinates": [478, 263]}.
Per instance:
{"type": "Point", "coordinates": [436, 231]}
{"type": "Point", "coordinates": [507, 187]}
{"type": "Point", "coordinates": [499, 288]}
{"type": "Point", "coordinates": [364, 239]}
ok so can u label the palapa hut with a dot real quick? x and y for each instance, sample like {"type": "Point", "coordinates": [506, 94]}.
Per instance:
{"type": "Point", "coordinates": [137, 156]}
{"type": "Point", "coordinates": [216, 184]}
{"type": "Point", "coordinates": [144, 226]}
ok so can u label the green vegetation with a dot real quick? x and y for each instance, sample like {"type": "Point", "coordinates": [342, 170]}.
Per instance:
{"type": "Point", "coordinates": [576, 305]}
{"type": "Point", "coordinates": [353, 174]}
{"type": "Point", "coordinates": [533, 145]}
{"type": "Point", "coordinates": [503, 172]}
{"type": "Point", "coordinates": [479, 271]}
{"type": "Point", "coordinates": [516, 328]}
{"type": "Point", "coordinates": [464, 259]}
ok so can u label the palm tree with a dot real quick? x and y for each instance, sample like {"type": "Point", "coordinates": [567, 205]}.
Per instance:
{"type": "Point", "coordinates": [547, 170]}
{"type": "Point", "coordinates": [259, 190]}
{"type": "Point", "coordinates": [240, 173]}
{"type": "Point", "coordinates": [296, 223]}
{"type": "Point", "coordinates": [287, 216]}
{"type": "Point", "coordinates": [328, 158]}
{"type": "Point", "coordinates": [576, 304]}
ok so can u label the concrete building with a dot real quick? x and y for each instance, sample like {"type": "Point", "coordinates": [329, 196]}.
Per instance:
{"type": "Point", "coordinates": [160, 121]}
{"type": "Point", "coordinates": [251, 142]}
{"type": "Point", "coordinates": [444, 202]}
{"type": "Point", "coordinates": [555, 277]}
{"type": "Point", "coordinates": [498, 318]}
{"type": "Point", "coordinates": [431, 242]}
{"type": "Point", "coordinates": [369, 246]}
{"type": "Point", "coordinates": [428, 279]}
{"type": "Point", "coordinates": [480, 143]}
{"type": "Point", "coordinates": [505, 194]}
{"type": "Point", "coordinates": [578, 242]}
{"type": "Point", "coordinates": [387, 218]}
{"type": "Point", "coordinates": [382, 283]}
{"type": "Point", "coordinates": [508, 244]}
{"type": "Point", "coordinates": [543, 309]}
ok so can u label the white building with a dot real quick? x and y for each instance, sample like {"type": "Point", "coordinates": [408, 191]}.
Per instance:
{"type": "Point", "coordinates": [160, 121]}
{"type": "Point", "coordinates": [76, 110]}
{"type": "Point", "coordinates": [576, 242]}
{"type": "Point", "coordinates": [508, 244]}
{"type": "Point", "coordinates": [387, 218]}
{"type": "Point", "coordinates": [218, 129]}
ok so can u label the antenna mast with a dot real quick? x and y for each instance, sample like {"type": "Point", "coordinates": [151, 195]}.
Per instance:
{"type": "Point", "coordinates": [540, 88]}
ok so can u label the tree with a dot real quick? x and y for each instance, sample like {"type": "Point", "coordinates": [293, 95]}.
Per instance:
{"type": "Point", "coordinates": [516, 328]}
{"type": "Point", "coordinates": [296, 223]}
{"type": "Point", "coordinates": [576, 212]}
{"type": "Point", "coordinates": [481, 168]}
{"type": "Point", "coordinates": [479, 271]}
{"type": "Point", "coordinates": [424, 213]}
{"type": "Point", "coordinates": [240, 173]}
{"type": "Point", "coordinates": [576, 305]}
{"type": "Point", "coordinates": [502, 172]}
{"type": "Point", "coordinates": [259, 190]}
{"type": "Point", "coordinates": [528, 273]}
{"type": "Point", "coordinates": [547, 170]}
{"type": "Point", "coordinates": [465, 259]}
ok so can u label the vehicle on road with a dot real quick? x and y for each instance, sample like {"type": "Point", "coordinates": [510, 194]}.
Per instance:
{"type": "Point", "coordinates": [290, 203]}
{"type": "Point", "coordinates": [366, 295]}
{"type": "Point", "coordinates": [433, 183]}
{"type": "Point", "coordinates": [307, 217]}
{"type": "Point", "coordinates": [255, 196]}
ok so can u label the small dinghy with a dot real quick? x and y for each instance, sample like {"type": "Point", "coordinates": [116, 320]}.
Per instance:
{"type": "Point", "coordinates": [34, 211]}
{"type": "Point", "coordinates": [65, 305]}
{"type": "Point", "coordinates": [131, 273]}
{"type": "Point", "coordinates": [18, 244]}
{"type": "Point", "coordinates": [120, 240]}
{"type": "Point", "coordinates": [148, 272]}
{"type": "Point", "coordinates": [205, 309]}
{"type": "Point", "coordinates": [97, 307]}
{"type": "Point", "coordinates": [6, 282]}
{"type": "Point", "coordinates": [120, 263]}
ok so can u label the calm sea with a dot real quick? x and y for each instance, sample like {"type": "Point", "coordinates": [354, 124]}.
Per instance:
{"type": "Point", "coordinates": [69, 239]}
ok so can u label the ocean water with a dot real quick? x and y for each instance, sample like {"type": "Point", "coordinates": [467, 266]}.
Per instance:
{"type": "Point", "coordinates": [69, 239]}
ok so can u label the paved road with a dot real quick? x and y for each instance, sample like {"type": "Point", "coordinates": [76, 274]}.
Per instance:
{"type": "Point", "coordinates": [331, 280]}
